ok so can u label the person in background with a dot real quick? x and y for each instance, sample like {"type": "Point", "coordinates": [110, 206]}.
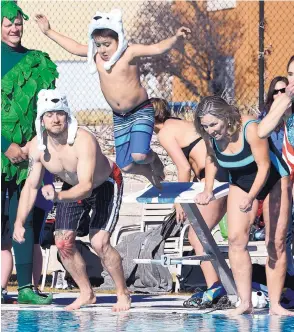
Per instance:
{"type": "Point", "coordinates": [18, 106]}
{"type": "Point", "coordinates": [277, 88]}
{"type": "Point", "coordinates": [41, 209]}
{"type": "Point", "coordinates": [39, 214]}
{"type": "Point", "coordinates": [281, 114]}
{"type": "Point", "coordinates": [187, 150]}
{"type": "Point", "coordinates": [282, 110]}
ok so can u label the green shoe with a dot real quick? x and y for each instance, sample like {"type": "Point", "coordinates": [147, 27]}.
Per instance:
{"type": "Point", "coordinates": [26, 295]}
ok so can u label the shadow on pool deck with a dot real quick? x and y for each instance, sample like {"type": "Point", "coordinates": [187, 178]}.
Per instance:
{"type": "Point", "coordinates": [111, 299]}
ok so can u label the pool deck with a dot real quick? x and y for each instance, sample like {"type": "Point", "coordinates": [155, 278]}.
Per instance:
{"type": "Point", "coordinates": [146, 303]}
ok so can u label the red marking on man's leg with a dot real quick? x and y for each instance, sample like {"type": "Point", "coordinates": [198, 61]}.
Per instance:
{"type": "Point", "coordinates": [65, 248]}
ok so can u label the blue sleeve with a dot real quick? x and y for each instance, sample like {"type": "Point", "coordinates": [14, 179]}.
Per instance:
{"type": "Point", "coordinates": [4, 144]}
{"type": "Point", "coordinates": [262, 115]}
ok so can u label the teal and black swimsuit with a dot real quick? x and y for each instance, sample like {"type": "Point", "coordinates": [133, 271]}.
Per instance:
{"type": "Point", "coordinates": [243, 168]}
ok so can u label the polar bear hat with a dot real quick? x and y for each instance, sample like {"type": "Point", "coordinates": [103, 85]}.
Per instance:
{"type": "Point", "coordinates": [112, 21]}
{"type": "Point", "coordinates": [50, 101]}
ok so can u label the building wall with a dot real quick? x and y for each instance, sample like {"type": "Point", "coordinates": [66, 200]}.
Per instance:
{"type": "Point", "coordinates": [279, 41]}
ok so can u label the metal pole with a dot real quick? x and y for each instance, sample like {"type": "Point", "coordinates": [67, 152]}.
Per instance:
{"type": "Point", "coordinates": [204, 235]}
{"type": "Point", "coordinates": [261, 56]}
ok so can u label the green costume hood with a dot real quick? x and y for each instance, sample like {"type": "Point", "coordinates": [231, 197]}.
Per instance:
{"type": "Point", "coordinates": [29, 72]}
{"type": "Point", "coordinates": [10, 10]}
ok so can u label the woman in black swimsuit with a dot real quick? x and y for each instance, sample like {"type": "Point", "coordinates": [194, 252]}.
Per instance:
{"type": "Point", "coordinates": [257, 172]}
{"type": "Point", "coordinates": [187, 150]}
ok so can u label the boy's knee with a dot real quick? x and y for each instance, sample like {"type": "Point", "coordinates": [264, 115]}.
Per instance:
{"type": "Point", "coordinates": [127, 169]}
{"type": "Point", "coordinates": [139, 157]}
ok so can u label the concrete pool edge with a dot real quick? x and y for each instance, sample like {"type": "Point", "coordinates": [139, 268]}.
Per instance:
{"type": "Point", "coordinates": [141, 303]}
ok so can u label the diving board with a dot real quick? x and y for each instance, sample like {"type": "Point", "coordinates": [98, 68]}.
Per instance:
{"type": "Point", "coordinates": [184, 193]}
{"type": "Point", "coordinates": [175, 192]}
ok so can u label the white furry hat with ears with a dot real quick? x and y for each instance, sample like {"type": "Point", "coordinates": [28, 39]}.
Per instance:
{"type": "Point", "coordinates": [112, 21]}
{"type": "Point", "coordinates": [54, 100]}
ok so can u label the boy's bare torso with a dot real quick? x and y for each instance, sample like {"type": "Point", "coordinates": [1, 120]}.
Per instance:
{"type": "Point", "coordinates": [63, 161]}
{"type": "Point", "coordinates": [121, 85]}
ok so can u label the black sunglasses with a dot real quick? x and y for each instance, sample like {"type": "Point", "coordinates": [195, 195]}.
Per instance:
{"type": "Point", "coordinates": [279, 90]}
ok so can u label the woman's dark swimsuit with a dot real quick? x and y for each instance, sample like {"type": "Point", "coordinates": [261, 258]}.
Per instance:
{"type": "Point", "coordinates": [243, 168]}
{"type": "Point", "coordinates": [187, 149]}
{"type": "Point", "coordinates": [221, 175]}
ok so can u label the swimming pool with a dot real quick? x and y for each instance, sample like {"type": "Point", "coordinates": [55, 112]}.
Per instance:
{"type": "Point", "coordinates": [43, 321]}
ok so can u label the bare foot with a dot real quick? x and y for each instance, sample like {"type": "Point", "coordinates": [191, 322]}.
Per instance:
{"type": "Point", "coordinates": [123, 303]}
{"type": "Point", "coordinates": [80, 301]}
{"type": "Point", "coordinates": [241, 309]}
{"type": "Point", "coordinates": [280, 311]}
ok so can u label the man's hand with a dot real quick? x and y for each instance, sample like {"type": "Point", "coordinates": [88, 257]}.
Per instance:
{"type": "Point", "coordinates": [183, 32]}
{"type": "Point", "coordinates": [246, 204]}
{"type": "Point", "coordinates": [49, 193]}
{"type": "Point", "coordinates": [25, 149]}
{"type": "Point", "coordinates": [43, 23]}
{"type": "Point", "coordinates": [18, 233]}
{"type": "Point", "coordinates": [15, 154]}
{"type": "Point", "coordinates": [180, 213]}
{"type": "Point", "coordinates": [204, 198]}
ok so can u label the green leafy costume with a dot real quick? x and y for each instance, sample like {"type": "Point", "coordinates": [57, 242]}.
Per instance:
{"type": "Point", "coordinates": [19, 89]}
{"type": "Point", "coordinates": [23, 74]}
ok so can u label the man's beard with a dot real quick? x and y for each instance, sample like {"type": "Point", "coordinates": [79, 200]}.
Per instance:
{"type": "Point", "coordinates": [58, 135]}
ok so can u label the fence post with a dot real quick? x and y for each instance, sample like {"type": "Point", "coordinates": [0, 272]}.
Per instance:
{"type": "Point", "coordinates": [261, 56]}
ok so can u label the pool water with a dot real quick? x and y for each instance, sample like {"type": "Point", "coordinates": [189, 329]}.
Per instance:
{"type": "Point", "coordinates": [62, 321]}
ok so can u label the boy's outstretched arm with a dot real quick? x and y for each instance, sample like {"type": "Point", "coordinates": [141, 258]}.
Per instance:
{"type": "Point", "coordinates": [68, 44]}
{"type": "Point", "coordinates": [165, 45]}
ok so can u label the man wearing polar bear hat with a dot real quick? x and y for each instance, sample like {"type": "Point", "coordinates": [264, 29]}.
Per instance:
{"type": "Point", "coordinates": [54, 101]}
{"type": "Point", "coordinates": [74, 155]}
{"type": "Point", "coordinates": [117, 65]}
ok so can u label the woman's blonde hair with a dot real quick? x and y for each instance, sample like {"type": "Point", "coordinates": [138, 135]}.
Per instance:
{"type": "Point", "coordinates": [218, 107]}
{"type": "Point", "coordinates": [161, 108]}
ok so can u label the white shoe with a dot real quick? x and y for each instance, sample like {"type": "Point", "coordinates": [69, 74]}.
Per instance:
{"type": "Point", "coordinates": [57, 279]}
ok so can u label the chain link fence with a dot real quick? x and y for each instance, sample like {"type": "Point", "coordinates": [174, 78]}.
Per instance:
{"type": "Point", "coordinates": [222, 55]}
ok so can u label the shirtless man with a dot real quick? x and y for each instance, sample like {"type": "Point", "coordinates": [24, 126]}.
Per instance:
{"type": "Point", "coordinates": [117, 65]}
{"type": "Point", "coordinates": [75, 156]}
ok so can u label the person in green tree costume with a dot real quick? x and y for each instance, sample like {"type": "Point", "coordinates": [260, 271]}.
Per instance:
{"type": "Point", "coordinates": [24, 73]}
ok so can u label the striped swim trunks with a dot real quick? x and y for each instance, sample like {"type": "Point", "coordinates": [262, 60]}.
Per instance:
{"type": "Point", "coordinates": [133, 132]}
{"type": "Point", "coordinates": [100, 211]}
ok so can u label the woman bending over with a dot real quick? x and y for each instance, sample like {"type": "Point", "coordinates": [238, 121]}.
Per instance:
{"type": "Point", "coordinates": [187, 150]}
